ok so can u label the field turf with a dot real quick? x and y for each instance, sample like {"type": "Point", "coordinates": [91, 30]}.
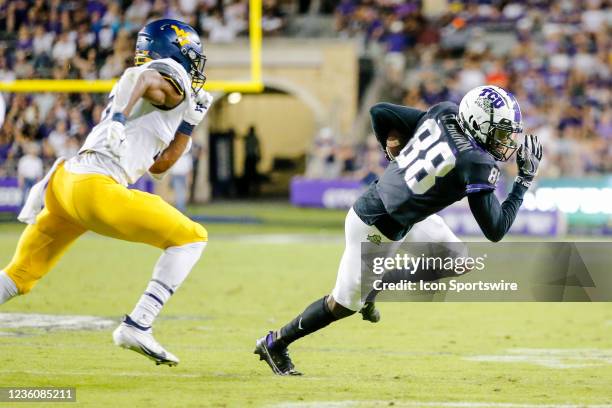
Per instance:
{"type": "Point", "coordinates": [256, 276]}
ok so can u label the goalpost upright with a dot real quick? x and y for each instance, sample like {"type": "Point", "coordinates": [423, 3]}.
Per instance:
{"type": "Point", "coordinates": [254, 84]}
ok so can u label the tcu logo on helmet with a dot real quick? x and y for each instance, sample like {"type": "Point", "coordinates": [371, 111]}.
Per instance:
{"type": "Point", "coordinates": [495, 98]}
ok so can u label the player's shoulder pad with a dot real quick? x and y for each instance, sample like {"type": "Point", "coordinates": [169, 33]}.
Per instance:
{"type": "Point", "coordinates": [443, 108]}
{"type": "Point", "coordinates": [476, 156]}
{"type": "Point", "coordinates": [170, 74]}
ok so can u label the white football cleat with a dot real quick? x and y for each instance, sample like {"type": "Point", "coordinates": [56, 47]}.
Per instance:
{"type": "Point", "coordinates": [131, 336]}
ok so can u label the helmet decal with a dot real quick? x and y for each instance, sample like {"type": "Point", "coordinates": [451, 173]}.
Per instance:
{"type": "Point", "coordinates": [485, 104]}
{"type": "Point", "coordinates": [496, 99]}
{"type": "Point", "coordinates": [182, 36]}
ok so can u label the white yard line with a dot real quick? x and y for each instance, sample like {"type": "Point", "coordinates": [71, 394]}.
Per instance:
{"type": "Point", "coordinates": [53, 322]}
{"type": "Point", "coordinates": [551, 358]}
{"type": "Point", "coordinates": [58, 373]}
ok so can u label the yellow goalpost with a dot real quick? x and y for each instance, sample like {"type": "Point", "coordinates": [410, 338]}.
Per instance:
{"type": "Point", "coordinates": [254, 84]}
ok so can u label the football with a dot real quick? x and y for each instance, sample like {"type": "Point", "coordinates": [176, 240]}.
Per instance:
{"type": "Point", "coordinates": [395, 144]}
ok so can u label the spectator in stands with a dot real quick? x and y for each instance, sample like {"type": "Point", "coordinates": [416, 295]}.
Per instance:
{"type": "Point", "coordinates": [322, 162]}
{"type": "Point", "coordinates": [58, 139]}
{"type": "Point", "coordinates": [559, 52]}
{"type": "Point", "coordinates": [29, 169]}
{"type": "Point", "coordinates": [252, 156]}
{"type": "Point", "coordinates": [181, 180]}
{"type": "Point", "coordinates": [64, 48]}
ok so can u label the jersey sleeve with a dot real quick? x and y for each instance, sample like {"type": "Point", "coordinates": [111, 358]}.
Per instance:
{"type": "Point", "coordinates": [494, 219]}
{"type": "Point", "coordinates": [387, 117]}
{"type": "Point", "coordinates": [480, 176]}
{"type": "Point", "coordinates": [170, 74]}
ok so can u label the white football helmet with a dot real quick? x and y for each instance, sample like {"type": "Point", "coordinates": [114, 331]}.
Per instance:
{"type": "Point", "coordinates": [492, 117]}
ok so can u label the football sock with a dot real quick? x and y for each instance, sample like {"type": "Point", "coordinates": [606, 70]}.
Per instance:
{"type": "Point", "coordinates": [8, 289]}
{"type": "Point", "coordinates": [170, 271]}
{"type": "Point", "coordinates": [313, 318]}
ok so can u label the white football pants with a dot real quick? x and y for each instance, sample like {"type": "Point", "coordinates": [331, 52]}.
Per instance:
{"type": "Point", "coordinates": [347, 291]}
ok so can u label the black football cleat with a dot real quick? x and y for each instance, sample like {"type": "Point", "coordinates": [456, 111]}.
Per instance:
{"type": "Point", "coordinates": [277, 357]}
{"type": "Point", "coordinates": [370, 313]}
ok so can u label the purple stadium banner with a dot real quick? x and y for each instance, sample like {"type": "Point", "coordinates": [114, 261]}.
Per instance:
{"type": "Point", "coordinates": [336, 193]}
{"type": "Point", "coordinates": [339, 193]}
{"type": "Point", "coordinates": [528, 222]}
{"type": "Point", "coordinates": [10, 193]}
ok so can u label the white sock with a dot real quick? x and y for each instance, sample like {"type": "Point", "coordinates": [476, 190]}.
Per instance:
{"type": "Point", "coordinates": [8, 289]}
{"type": "Point", "coordinates": [170, 271]}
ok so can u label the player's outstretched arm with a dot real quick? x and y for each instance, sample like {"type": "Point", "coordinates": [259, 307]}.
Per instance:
{"type": "Point", "coordinates": [494, 219]}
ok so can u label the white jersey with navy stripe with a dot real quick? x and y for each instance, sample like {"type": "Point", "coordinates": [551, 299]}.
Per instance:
{"type": "Point", "coordinates": [149, 130]}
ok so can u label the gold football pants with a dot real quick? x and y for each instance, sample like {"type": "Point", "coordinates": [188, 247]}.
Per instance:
{"type": "Point", "coordinates": [75, 203]}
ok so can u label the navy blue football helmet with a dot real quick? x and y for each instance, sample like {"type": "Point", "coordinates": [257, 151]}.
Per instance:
{"type": "Point", "coordinates": [168, 38]}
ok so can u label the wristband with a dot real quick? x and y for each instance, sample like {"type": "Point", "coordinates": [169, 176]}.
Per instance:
{"type": "Point", "coordinates": [520, 180]}
{"type": "Point", "coordinates": [185, 128]}
{"type": "Point", "coordinates": [118, 117]}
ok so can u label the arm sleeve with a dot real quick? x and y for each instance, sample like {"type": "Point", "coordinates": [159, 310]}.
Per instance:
{"type": "Point", "coordinates": [494, 219]}
{"type": "Point", "coordinates": [387, 116]}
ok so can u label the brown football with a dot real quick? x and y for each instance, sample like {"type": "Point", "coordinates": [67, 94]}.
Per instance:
{"type": "Point", "coordinates": [394, 145]}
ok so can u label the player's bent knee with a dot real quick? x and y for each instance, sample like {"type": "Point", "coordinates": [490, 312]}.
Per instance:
{"type": "Point", "coordinates": [190, 233]}
{"type": "Point", "coordinates": [200, 233]}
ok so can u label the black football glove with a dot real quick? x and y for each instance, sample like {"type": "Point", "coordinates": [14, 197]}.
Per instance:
{"type": "Point", "coordinates": [528, 159]}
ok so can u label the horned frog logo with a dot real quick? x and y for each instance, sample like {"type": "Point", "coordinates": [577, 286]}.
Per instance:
{"type": "Point", "coordinates": [183, 37]}
{"type": "Point", "coordinates": [485, 104]}
{"type": "Point", "coordinates": [375, 239]}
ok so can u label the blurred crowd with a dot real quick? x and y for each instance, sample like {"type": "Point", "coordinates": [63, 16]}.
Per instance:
{"type": "Point", "coordinates": [555, 56]}
{"type": "Point", "coordinates": [87, 39]}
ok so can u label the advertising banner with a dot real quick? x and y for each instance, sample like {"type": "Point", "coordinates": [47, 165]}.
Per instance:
{"type": "Point", "coordinates": [342, 193]}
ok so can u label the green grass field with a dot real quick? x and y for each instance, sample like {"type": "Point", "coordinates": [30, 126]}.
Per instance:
{"type": "Point", "coordinates": [252, 279]}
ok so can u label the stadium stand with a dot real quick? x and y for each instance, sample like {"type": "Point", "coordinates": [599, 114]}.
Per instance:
{"type": "Point", "coordinates": [555, 56]}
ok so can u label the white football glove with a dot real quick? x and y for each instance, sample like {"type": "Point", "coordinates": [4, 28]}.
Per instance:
{"type": "Point", "coordinates": [198, 106]}
{"type": "Point", "coordinates": [115, 139]}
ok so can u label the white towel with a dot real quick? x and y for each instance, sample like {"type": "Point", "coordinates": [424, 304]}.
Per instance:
{"type": "Point", "coordinates": [36, 199]}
